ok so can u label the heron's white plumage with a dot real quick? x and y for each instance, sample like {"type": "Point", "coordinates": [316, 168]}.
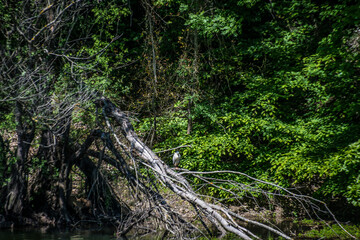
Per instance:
{"type": "Point", "coordinates": [176, 158]}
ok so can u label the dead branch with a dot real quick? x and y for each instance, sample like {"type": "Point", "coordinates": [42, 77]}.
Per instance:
{"type": "Point", "coordinates": [221, 217]}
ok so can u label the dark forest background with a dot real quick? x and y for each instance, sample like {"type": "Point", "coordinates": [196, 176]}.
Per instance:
{"type": "Point", "coordinates": [269, 88]}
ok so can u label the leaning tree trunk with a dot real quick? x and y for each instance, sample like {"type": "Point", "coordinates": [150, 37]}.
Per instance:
{"type": "Point", "coordinates": [222, 218]}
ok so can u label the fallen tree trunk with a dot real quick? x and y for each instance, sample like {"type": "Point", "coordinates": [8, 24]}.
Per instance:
{"type": "Point", "coordinates": [222, 218]}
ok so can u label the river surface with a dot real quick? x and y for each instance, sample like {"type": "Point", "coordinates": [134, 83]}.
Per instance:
{"type": "Point", "coordinates": [56, 234]}
{"type": "Point", "coordinates": [45, 234]}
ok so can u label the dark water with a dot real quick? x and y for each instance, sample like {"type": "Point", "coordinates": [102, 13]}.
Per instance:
{"type": "Point", "coordinates": [108, 234]}
{"type": "Point", "coordinates": [46, 234]}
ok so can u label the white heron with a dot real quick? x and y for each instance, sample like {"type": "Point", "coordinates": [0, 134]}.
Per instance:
{"type": "Point", "coordinates": [176, 158]}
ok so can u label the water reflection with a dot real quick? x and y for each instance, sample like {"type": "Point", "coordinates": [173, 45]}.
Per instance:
{"type": "Point", "coordinates": [42, 234]}
{"type": "Point", "coordinates": [108, 234]}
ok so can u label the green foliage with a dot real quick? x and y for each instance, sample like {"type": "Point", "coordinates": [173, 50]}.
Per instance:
{"type": "Point", "coordinates": [279, 92]}
{"type": "Point", "coordinates": [271, 87]}
{"type": "Point", "coordinates": [333, 232]}
{"type": "Point", "coordinates": [220, 22]}
{"type": "Point", "coordinates": [7, 121]}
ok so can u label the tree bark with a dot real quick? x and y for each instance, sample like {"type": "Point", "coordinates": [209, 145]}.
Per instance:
{"type": "Point", "coordinates": [18, 184]}
{"type": "Point", "coordinates": [189, 125]}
